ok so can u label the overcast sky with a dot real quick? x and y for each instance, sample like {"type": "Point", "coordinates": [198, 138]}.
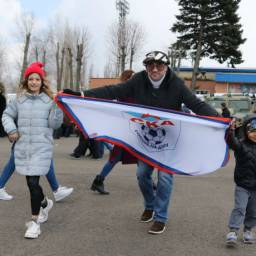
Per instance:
{"type": "Point", "coordinates": [156, 17]}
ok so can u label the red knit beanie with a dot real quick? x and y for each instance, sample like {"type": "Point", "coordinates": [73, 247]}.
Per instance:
{"type": "Point", "coordinates": [35, 67]}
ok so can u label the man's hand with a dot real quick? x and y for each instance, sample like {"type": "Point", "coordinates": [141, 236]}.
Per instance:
{"type": "Point", "coordinates": [13, 137]}
{"type": "Point", "coordinates": [71, 92]}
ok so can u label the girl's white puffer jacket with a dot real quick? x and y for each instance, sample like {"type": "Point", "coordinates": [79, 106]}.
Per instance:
{"type": "Point", "coordinates": [34, 117]}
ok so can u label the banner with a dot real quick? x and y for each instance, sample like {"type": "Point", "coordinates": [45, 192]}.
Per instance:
{"type": "Point", "coordinates": [171, 141]}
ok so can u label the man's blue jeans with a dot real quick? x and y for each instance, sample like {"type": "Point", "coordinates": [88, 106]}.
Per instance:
{"type": "Point", "coordinates": [10, 168]}
{"type": "Point", "coordinates": [158, 201]}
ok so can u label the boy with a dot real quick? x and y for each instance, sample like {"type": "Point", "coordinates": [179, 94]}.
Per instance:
{"type": "Point", "coordinates": [245, 179]}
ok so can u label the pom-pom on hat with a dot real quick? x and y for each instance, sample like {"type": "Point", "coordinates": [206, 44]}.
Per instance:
{"type": "Point", "coordinates": [35, 67]}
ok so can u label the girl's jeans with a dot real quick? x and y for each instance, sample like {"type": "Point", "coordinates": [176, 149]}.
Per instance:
{"type": "Point", "coordinates": [110, 164]}
{"type": "Point", "coordinates": [10, 168]}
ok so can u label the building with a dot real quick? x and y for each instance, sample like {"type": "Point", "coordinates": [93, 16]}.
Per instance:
{"type": "Point", "coordinates": [211, 80]}
{"type": "Point", "coordinates": [222, 80]}
{"type": "Point", "coordinates": [98, 82]}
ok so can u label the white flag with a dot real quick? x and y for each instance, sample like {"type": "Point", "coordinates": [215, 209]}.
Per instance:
{"type": "Point", "coordinates": [171, 141]}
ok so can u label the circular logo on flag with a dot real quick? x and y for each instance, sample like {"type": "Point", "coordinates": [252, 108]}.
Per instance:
{"type": "Point", "coordinates": [153, 136]}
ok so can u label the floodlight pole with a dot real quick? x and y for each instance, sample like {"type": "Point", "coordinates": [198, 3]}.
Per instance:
{"type": "Point", "coordinates": [123, 7]}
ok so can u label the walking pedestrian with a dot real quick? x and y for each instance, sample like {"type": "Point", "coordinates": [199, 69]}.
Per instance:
{"type": "Point", "coordinates": [59, 192]}
{"type": "Point", "coordinates": [29, 121]}
{"type": "Point", "coordinates": [2, 108]}
{"type": "Point", "coordinates": [116, 154]}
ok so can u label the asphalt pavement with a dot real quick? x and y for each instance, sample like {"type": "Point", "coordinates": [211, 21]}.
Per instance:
{"type": "Point", "coordinates": [90, 224]}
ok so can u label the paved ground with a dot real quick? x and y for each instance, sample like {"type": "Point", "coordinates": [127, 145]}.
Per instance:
{"type": "Point", "coordinates": [93, 225]}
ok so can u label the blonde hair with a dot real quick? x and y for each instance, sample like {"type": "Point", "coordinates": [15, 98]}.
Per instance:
{"type": "Point", "coordinates": [45, 87]}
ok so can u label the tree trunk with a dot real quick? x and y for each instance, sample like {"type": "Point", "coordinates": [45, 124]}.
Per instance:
{"type": "Point", "coordinates": [25, 56]}
{"type": "Point", "coordinates": [79, 66]}
{"type": "Point", "coordinates": [44, 57]}
{"type": "Point", "coordinates": [197, 59]}
{"type": "Point", "coordinates": [70, 67]}
{"type": "Point", "coordinates": [131, 57]}
{"type": "Point", "coordinates": [58, 66]}
{"type": "Point", "coordinates": [37, 54]}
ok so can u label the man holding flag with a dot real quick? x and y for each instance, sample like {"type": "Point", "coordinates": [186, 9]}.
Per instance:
{"type": "Point", "coordinates": [157, 86]}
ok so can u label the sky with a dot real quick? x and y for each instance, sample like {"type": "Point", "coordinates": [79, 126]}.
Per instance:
{"type": "Point", "coordinates": [156, 17]}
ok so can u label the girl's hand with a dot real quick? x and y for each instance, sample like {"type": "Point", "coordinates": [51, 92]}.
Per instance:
{"type": "Point", "coordinates": [13, 137]}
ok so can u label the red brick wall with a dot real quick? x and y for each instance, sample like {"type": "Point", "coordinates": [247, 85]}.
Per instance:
{"type": "Point", "coordinates": [99, 82]}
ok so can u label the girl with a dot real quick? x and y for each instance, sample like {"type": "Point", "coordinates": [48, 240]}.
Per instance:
{"type": "Point", "coordinates": [29, 121]}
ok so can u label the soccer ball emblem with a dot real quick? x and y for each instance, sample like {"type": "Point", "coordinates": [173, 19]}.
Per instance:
{"type": "Point", "coordinates": [153, 136]}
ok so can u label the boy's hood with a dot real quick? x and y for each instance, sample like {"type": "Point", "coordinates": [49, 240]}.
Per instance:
{"type": "Point", "coordinates": [247, 119]}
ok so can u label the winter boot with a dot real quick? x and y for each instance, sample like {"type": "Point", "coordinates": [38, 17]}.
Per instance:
{"type": "Point", "coordinates": [98, 185]}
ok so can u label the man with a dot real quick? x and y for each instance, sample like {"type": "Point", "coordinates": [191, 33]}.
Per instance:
{"type": "Point", "coordinates": [225, 110]}
{"type": "Point", "coordinates": [157, 86]}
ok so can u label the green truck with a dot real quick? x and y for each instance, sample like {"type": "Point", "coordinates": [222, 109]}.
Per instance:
{"type": "Point", "coordinates": [238, 105]}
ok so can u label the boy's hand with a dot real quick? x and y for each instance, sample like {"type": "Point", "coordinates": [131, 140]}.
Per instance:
{"type": "Point", "coordinates": [13, 137]}
{"type": "Point", "coordinates": [233, 124]}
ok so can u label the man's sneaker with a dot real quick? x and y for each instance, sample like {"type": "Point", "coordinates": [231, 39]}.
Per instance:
{"type": "Point", "coordinates": [4, 195]}
{"type": "Point", "coordinates": [147, 216]}
{"type": "Point", "coordinates": [157, 228]}
{"type": "Point", "coordinates": [33, 230]}
{"type": "Point", "coordinates": [43, 215]}
{"type": "Point", "coordinates": [231, 238]}
{"type": "Point", "coordinates": [61, 193]}
{"type": "Point", "coordinates": [75, 156]}
{"type": "Point", "coordinates": [248, 237]}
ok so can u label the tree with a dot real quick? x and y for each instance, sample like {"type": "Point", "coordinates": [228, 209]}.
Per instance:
{"type": "Point", "coordinates": [176, 53]}
{"type": "Point", "coordinates": [25, 26]}
{"type": "Point", "coordinates": [136, 37]}
{"type": "Point", "coordinates": [68, 53]}
{"type": "Point", "coordinates": [209, 28]}
{"type": "Point", "coordinates": [120, 55]}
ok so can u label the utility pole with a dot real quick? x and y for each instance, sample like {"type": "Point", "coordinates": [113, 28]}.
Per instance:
{"type": "Point", "coordinates": [123, 7]}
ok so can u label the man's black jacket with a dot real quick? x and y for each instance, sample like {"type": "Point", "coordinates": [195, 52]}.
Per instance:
{"type": "Point", "coordinates": [171, 94]}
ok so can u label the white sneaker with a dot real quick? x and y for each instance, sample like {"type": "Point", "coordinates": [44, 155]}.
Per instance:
{"type": "Point", "coordinates": [61, 193]}
{"type": "Point", "coordinates": [248, 237]}
{"type": "Point", "coordinates": [43, 215]}
{"type": "Point", "coordinates": [4, 195]}
{"type": "Point", "coordinates": [33, 230]}
{"type": "Point", "coordinates": [231, 238]}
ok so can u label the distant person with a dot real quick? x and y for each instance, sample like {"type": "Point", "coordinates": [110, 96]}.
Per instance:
{"type": "Point", "coordinates": [81, 149]}
{"type": "Point", "coordinates": [2, 108]}
{"type": "Point", "coordinates": [117, 153]}
{"type": "Point", "coordinates": [225, 111]}
{"type": "Point", "coordinates": [244, 211]}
